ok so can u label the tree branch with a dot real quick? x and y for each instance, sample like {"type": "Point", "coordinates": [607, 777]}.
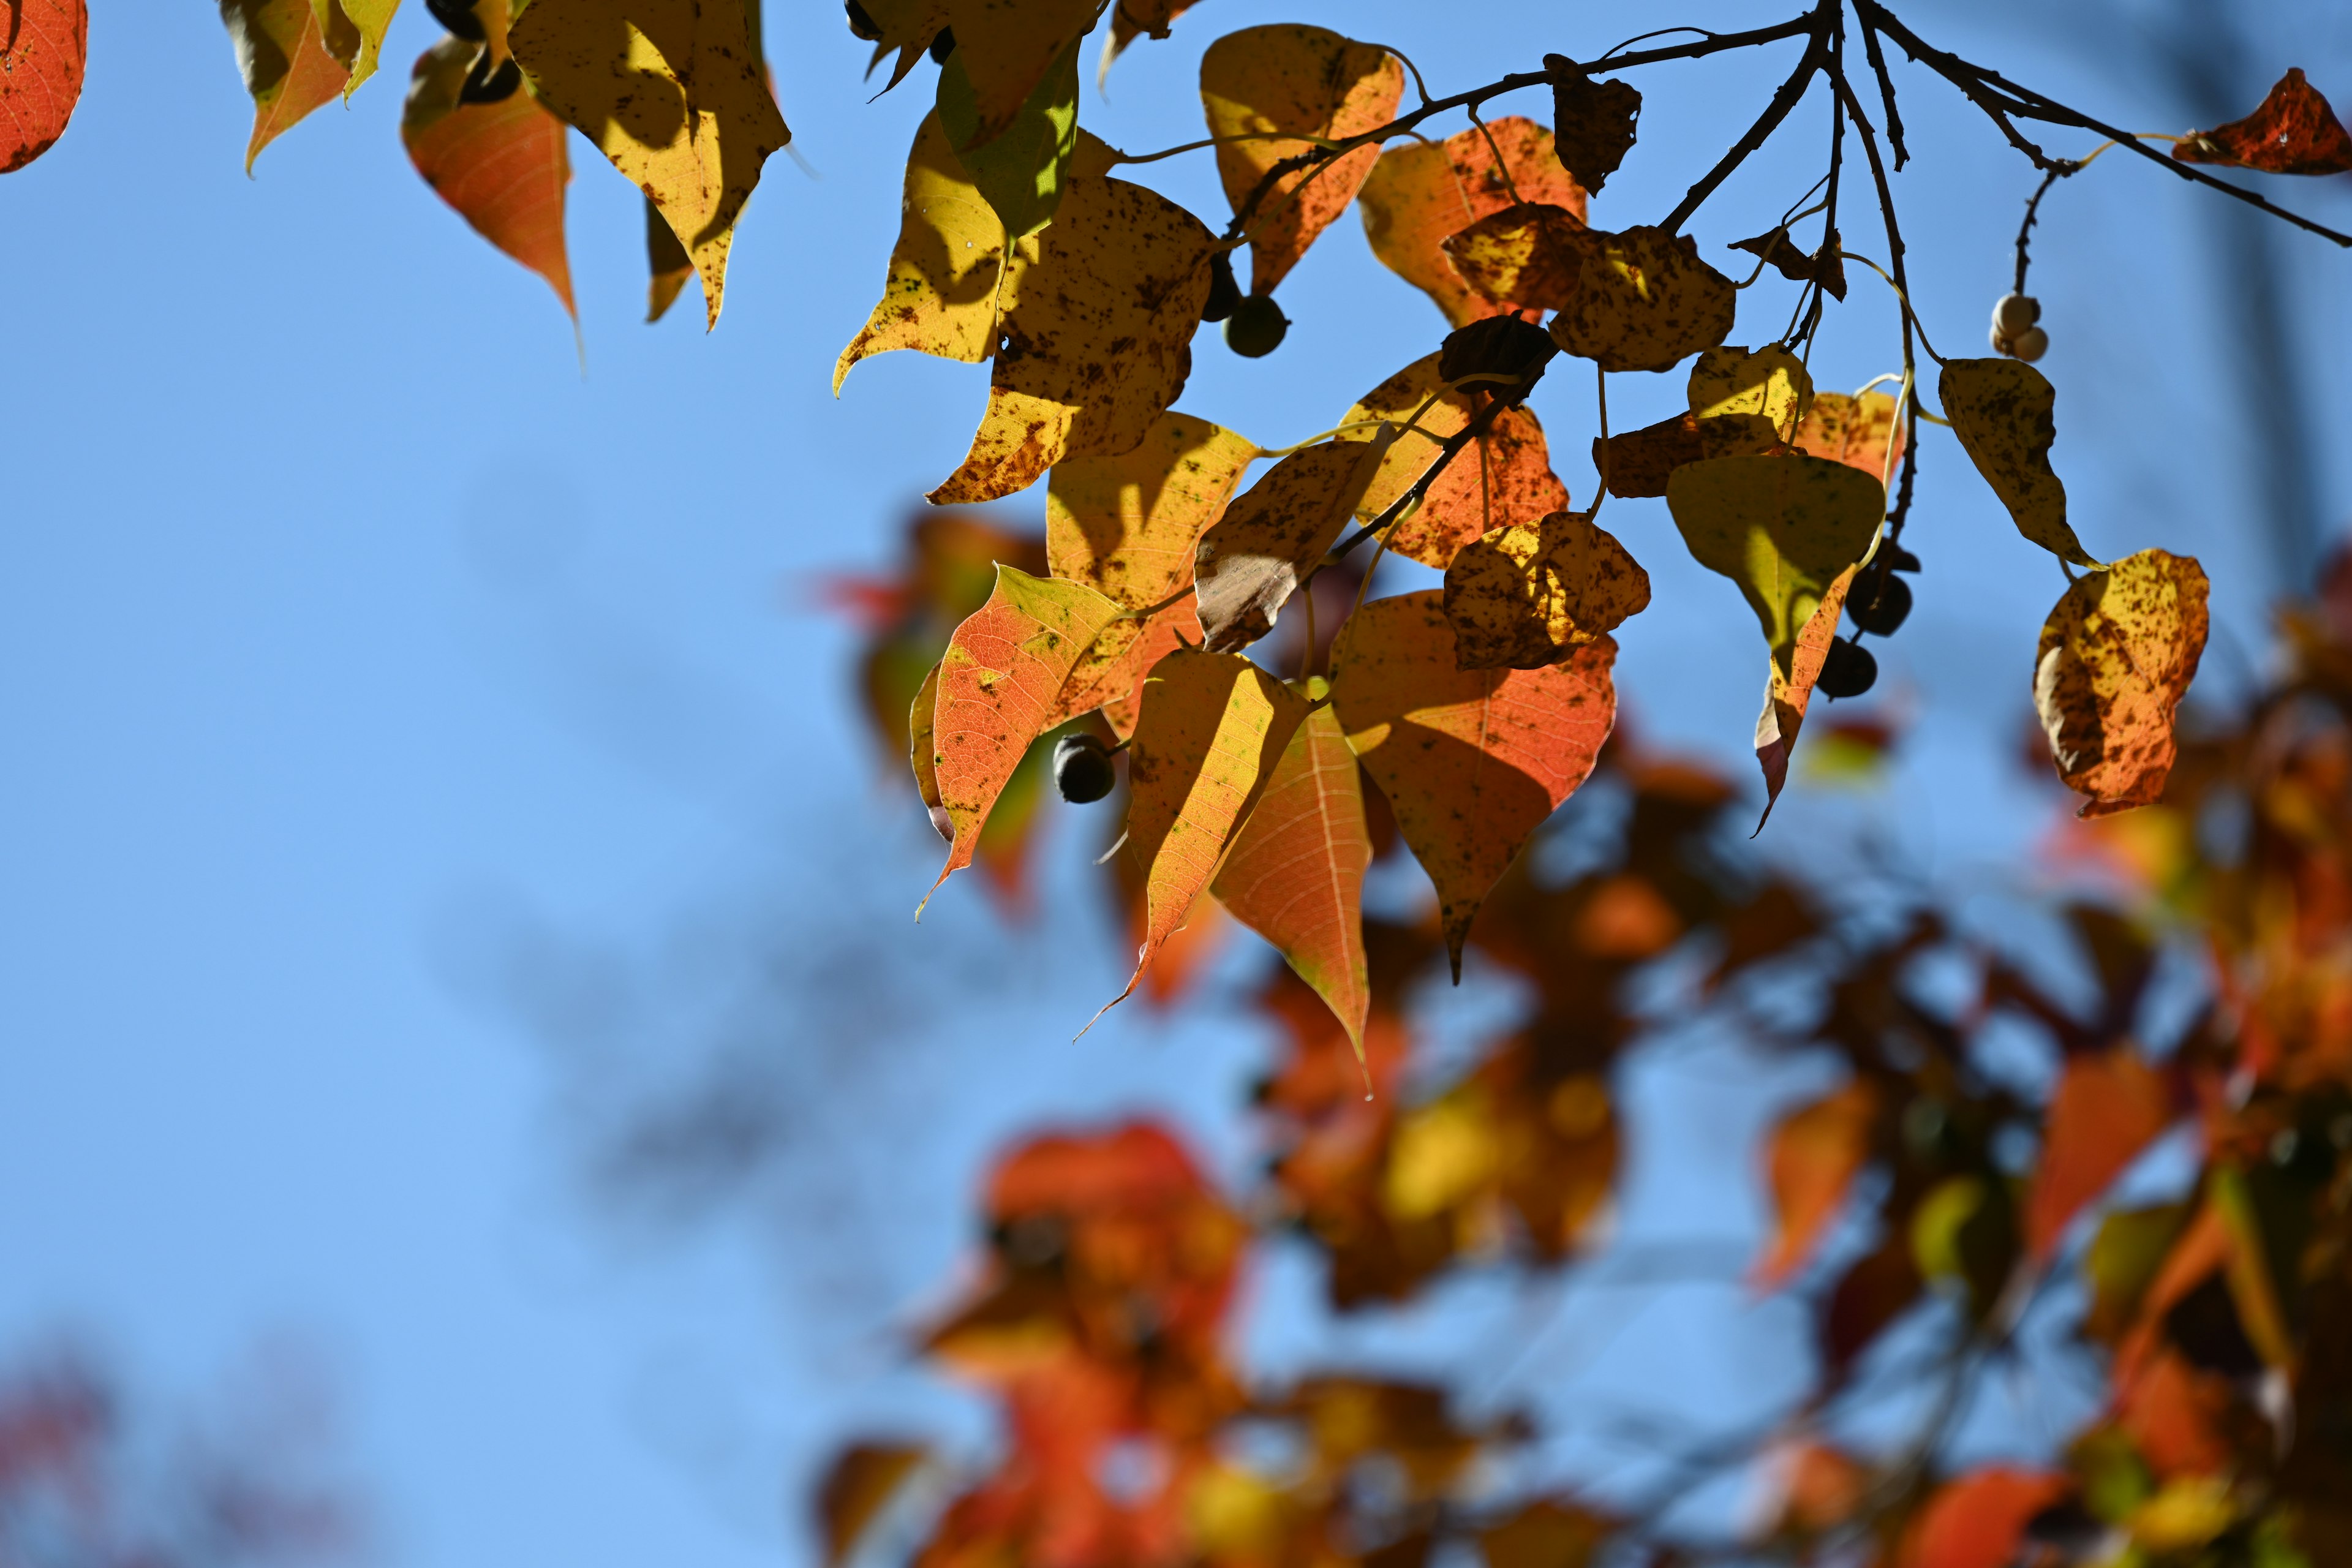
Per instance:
{"type": "Point", "coordinates": [1816, 54]}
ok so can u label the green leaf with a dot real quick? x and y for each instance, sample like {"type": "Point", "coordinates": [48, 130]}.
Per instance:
{"type": "Point", "coordinates": [1020, 171]}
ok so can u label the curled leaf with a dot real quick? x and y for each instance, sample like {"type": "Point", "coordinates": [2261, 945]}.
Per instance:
{"type": "Point", "coordinates": [2116, 655]}
{"type": "Point", "coordinates": [292, 58]}
{"type": "Point", "coordinates": [501, 165]}
{"type": "Point", "coordinates": [1645, 301]}
{"type": "Point", "coordinates": [1594, 121]}
{"type": "Point", "coordinates": [1783, 255]}
{"type": "Point", "coordinates": [1814, 1155]}
{"type": "Point", "coordinates": [1129, 524]}
{"type": "Point", "coordinates": [1253, 558]}
{"type": "Point", "coordinates": [1418, 194]}
{"type": "Point", "coordinates": [2002, 410]}
{"type": "Point", "coordinates": [2293, 132]}
{"type": "Point", "coordinates": [1855, 431]}
{"type": "Point", "coordinates": [1529, 594]}
{"type": "Point", "coordinates": [1788, 689]}
{"type": "Point", "coordinates": [1282, 81]}
{"type": "Point", "coordinates": [1528, 256]}
{"type": "Point", "coordinates": [1770, 381]}
{"type": "Point", "coordinates": [905, 27]}
{"type": "Point", "coordinates": [922, 752]}
{"type": "Point", "coordinates": [1641, 462]}
{"type": "Point", "coordinates": [1506, 478]}
{"type": "Point", "coordinates": [42, 58]}
{"type": "Point", "coordinates": [361, 47]}
{"type": "Point", "coordinates": [1472, 762]}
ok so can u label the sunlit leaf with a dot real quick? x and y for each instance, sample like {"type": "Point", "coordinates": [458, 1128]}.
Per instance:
{"type": "Point", "coordinates": [1594, 121]}
{"type": "Point", "coordinates": [1305, 83]}
{"type": "Point", "coordinates": [1129, 524]}
{"type": "Point", "coordinates": [1273, 534]}
{"type": "Point", "coordinates": [1008, 47]}
{"type": "Point", "coordinates": [907, 28]}
{"type": "Point", "coordinates": [1506, 477]}
{"type": "Point", "coordinates": [1472, 762]}
{"type": "Point", "coordinates": [2002, 410]}
{"type": "Point", "coordinates": [1528, 595]}
{"type": "Point", "coordinates": [2108, 1106]}
{"type": "Point", "coordinates": [1978, 1521]}
{"type": "Point", "coordinates": [922, 752]}
{"type": "Point", "coordinates": [1770, 381]}
{"type": "Point", "coordinates": [1446, 1153]}
{"type": "Point", "coordinates": [1814, 1155]}
{"type": "Point", "coordinates": [367, 20]}
{"type": "Point", "coordinates": [671, 91]}
{"type": "Point", "coordinates": [667, 266]}
{"type": "Point", "coordinates": [1213, 730]}
{"type": "Point", "coordinates": [501, 165]}
{"type": "Point", "coordinates": [42, 58]}
{"type": "Point", "coordinates": [1110, 675]}
{"type": "Point", "coordinates": [1641, 462]}
{"type": "Point", "coordinates": [2293, 132]}
{"type": "Point", "coordinates": [857, 1486]}
{"type": "Point", "coordinates": [2115, 658]}
{"type": "Point", "coordinates": [997, 686]}
{"type": "Point", "coordinates": [290, 62]}
{"type": "Point", "coordinates": [1019, 171]}
{"type": "Point", "coordinates": [1851, 430]}
{"type": "Point", "coordinates": [1418, 194]}
{"type": "Point", "coordinates": [1528, 256]}
{"type": "Point", "coordinates": [1644, 302]}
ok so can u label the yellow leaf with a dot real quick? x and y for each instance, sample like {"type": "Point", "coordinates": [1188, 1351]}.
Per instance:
{"type": "Point", "coordinates": [1249, 564]}
{"type": "Point", "coordinates": [289, 59]}
{"type": "Point", "coordinates": [1506, 478]}
{"type": "Point", "coordinates": [1418, 194]}
{"type": "Point", "coordinates": [1307, 81]}
{"type": "Point", "coordinates": [1127, 524]}
{"type": "Point", "coordinates": [2116, 654]}
{"type": "Point", "coordinates": [922, 753]}
{"type": "Point", "coordinates": [1444, 1152]}
{"type": "Point", "coordinates": [360, 48]}
{"type": "Point", "coordinates": [1529, 594]}
{"type": "Point", "coordinates": [669, 90]}
{"type": "Point", "coordinates": [907, 26]}
{"type": "Point", "coordinates": [1110, 676]}
{"type": "Point", "coordinates": [1768, 380]}
{"type": "Point", "coordinates": [1851, 430]}
{"type": "Point", "coordinates": [2002, 410]}
{"type": "Point", "coordinates": [1213, 728]}
{"type": "Point", "coordinates": [1529, 255]}
{"type": "Point", "coordinates": [1019, 171]}
{"type": "Point", "coordinates": [1644, 302]}
{"type": "Point", "coordinates": [1007, 47]}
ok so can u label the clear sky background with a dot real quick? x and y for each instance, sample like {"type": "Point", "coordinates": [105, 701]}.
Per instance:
{"type": "Point", "coordinates": [421, 758]}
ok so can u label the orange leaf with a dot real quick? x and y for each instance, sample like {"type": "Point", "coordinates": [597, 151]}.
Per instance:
{"type": "Point", "coordinates": [41, 64]}
{"type": "Point", "coordinates": [501, 165]}
{"type": "Point", "coordinates": [2293, 132]}
{"type": "Point", "coordinates": [1417, 195]}
{"type": "Point", "coordinates": [1253, 558]}
{"type": "Point", "coordinates": [1110, 674]}
{"type": "Point", "coordinates": [1816, 1151]}
{"type": "Point", "coordinates": [2109, 1105]}
{"type": "Point", "coordinates": [1522, 597]}
{"type": "Point", "coordinates": [1130, 18]}
{"type": "Point", "coordinates": [1506, 478]}
{"type": "Point", "coordinates": [289, 67]}
{"type": "Point", "coordinates": [1978, 1522]}
{"type": "Point", "coordinates": [1471, 761]}
{"type": "Point", "coordinates": [2116, 656]}
{"type": "Point", "coordinates": [1309, 81]}
{"type": "Point", "coordinates": [1127, 524]}
{"type": "Point", "coordinates": [1295, 876]}
{"type": "Point", "coordinates": [1530, 255]}
{"type": "Point", "coordinates": [1854, 431]}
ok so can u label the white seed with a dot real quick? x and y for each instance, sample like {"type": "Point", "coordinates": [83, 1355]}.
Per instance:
{"type": "Point", "coordinates": [2014, 313]}
{"type": "Point", "coordinates": [2031, 344]}
{"type": "Point", "coordinates": [2000, 340]}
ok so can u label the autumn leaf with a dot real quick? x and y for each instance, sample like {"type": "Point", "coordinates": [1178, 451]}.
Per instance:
{"type": "Point", "coordinates": [667, 267]}
{"type": "Point", "coordinates": [1007, 48]}
{"type": "Point", "coordinates": [1777, 250]}
{"type": "Point", "coordinates": [1110, 675]}
{"type": "Point", "coordinates": [1644, 302]}
{"type": "Point", "coordinates": [1641, 462]}
{"type": "Point", "coordinates": [1132, 18]}
{"type": "Point", "coordinates": [1506, 477]}
{"type": "Point", "coordinates": [1531, 594]}
{"type": "Point", "coordinates": [1814, 1155]}
{"type": "Point", "coordinates": [857, 1486]}
{"type": "Point", "coordinates": [42, 58]}
{"type": "Point", "coordinates": [1300, 81]}
{"type": "Point", "coordinates": [671, 92]}
{"type": "Point", "coordinates": [1296, 875]}
{"type": "Point", "coordinates": [997, 685]}
{"type": "Point", "coordinates": [1018, 172]}
{"type": "Point", "coordinates": [1213, 728]}
{"type": "Point", "coordinates": [501, 165]}
{"type": "Point", "coordinates": [2109, 1105]}
{"type": "Point", "coordinates": [288, 60]}
{"type": "Point", "coordinates": [1855, 431]}
{"type": "Point", "coordinates": [1472, 762]}
{"type": "Point", "coordinates": [905, 27]}
{"type": "Point", "coordinates": [1768, 380]}
{"type": "Point", "coordinates": [1127, 524]}
{"type": "Point", "coordinates": [1272, 536]}
{"type": "Point", "coordinates": [2002, 410]}
{"type": "Point", "coordinates": [1095, 337]}
{"type": "Point", "coordinates": [1594, 121]}
{"type": "Point", "coordinates": [359, 49]}
{"type": "Point", "coordinates": [1418, 194]}
{"type": "Point", "coordinates": [2293, 132]}
{"type": "Point", "coordinates": [922, 752]}
{"type": "Point", "coordinates": [2116, 654]}
{"type": "Point", "coordinates": [1978, 1521]}
{"type": "Point", "coordinates": [1528, 256]}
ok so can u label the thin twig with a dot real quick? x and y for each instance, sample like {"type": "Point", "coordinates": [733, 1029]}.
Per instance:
{"type": "Point", "coordinates": [1783, 101]}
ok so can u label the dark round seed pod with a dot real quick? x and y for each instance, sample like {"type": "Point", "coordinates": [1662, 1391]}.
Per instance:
{"type": "Point", "coordinates": [1848, 671]}
{"type": "Point", "coordinates": [1225, 294]}
{"type": "Point", "coordinates": [457, 16]}
{"type": "Point", "coordinates": [942, 46]}
{"type": "Point", "coordinates": [484, 85]}
{"type": "Point", "coordinates": [1499, 345]}
{"type": "Point", "coordinates": [862, 25]}
{"type": "Point", "coordinates": [1082, 768]}
{"type": "Point", "coordinates": [1885, 610]}
{"type": "Point", "coordinates": [1256, 327]}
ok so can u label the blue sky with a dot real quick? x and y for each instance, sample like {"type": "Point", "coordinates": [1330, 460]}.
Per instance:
{"type": "Point", "coordinates": [417, 747]}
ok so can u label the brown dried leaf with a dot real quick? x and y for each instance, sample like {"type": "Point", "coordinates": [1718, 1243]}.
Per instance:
{"type": "Point", "coordinates": [2116, 654]}
{"type": "Point", "coordinates": [1253, 559]}
{"type": "Point", "coordinates": [1645, 301]}
{"type": "Point", "coordinates": [1783, 255]}
{"type": "Point", "coordinates": [1529, 594]}
{"type": "Point", "coordinates": [1417, 194]}
{"type": "Point", "coordinates": [1594, 121]}
{"type": "Point", "coordinates": [2002, 411]}
{"type": "Point", "coordinates": [2293, 132]}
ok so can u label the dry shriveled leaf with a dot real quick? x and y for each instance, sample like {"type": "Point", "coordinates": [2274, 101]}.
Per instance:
{"type": "Point", "coordinates": [1506, 477]}
{"type": "Point", "coordinates": [42, 56]}
{"type": "Point", "coordinates": [1129, 524]}
{"type": "Point", "coordinates": [1213, 728]}
{"type": "Point", "coordinates": [997, 684]}
{"type": "Point", "coordinates": [1784, 256]}
{"type": "Point", "coordinates": [1417, 195]}
{"type": "Point", "coordinates": [1528, 256]}
{"type": "Point", "coordinates": [1472, 762]}
{"type": "Point", "coordinates": [2109, 1105]}
{"type": "Point", "coordinates": [1302, 81]}
{"type": "Point", "coordinates": [2002, 409]}
{"type": "Point", "coordinates": [857, 1486]}
{"type": "Point", "coordinates": [1253, 559]}
{"type": "Point", "coordinates": [1095, 337]}
{"type": "Point", "coordinates": [1594, 121]}
{"type": "Point", "coordinates": [1813, 1156]}
{"type": "Point", "coordinates": [2293, 132]}
{"type": "Point", "coordinates": [2116, 655]}
{"type": "Point", "coordinates": [1854, 431]}
{"type": "Point", "coordinates": [672, 92]}
{"type": "Point", "coordinates": [1110, 675]}
{"type": "Point", "coordinates": [1770, 381]}
{"type": "Point", "coordinates": [1640, 462]}
{"type": "Point", "coordinates": [288, 60]}
{"type": "Point", "coordinates": [501, 165]}
{"type": "Point", "coordinates": [1529, 594]}
{"type": "Point", "coordinates": [1296, 875]}
{"type": "Point", "coordinates": [1645, 301]}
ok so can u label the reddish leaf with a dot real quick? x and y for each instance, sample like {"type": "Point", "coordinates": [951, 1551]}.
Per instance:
{"type": "Point", "coordinates": [1418, 194]}
{"type": "Point", "coordinates": [42, 55]}
{"type": "Point", "coordinates": [1506, 478]}
{"type": "Point", "coordinates": [1109, 675]}
{"type": "Point", "coordinates": [289, 67]}
{"type": "Point", "coordinates": [2109, 1107]}
{"type": "Point", "coordinates": [1855, 431]}
{"type": "Point", "coordinates": [1978, 1522]}
{"type": "Point", "coordinates": [2293, 132]}
{"type": "Point", "coordinates": [501, 165]}
{"type": "Point", "coordinates": [1815, 1153]}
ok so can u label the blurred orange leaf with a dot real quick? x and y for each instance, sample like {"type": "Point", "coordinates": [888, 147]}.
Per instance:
{"type": "Point", "coordinates": [857, 1486]}
{"type": "Point", "coordinates": [1978, 1521]}
{"type": "Point", "coordinates": [501, 165]}
{"type": "Point", "coordinates": [2108, 1106]}
{"type": "Point", "coordinates": [1813, 1156]}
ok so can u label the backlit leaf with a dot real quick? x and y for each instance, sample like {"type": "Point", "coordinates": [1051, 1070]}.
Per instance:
{"type": "Point", "coordinates": [1095, 337]}
{"type": "Point", "coordinates": [1129, 524]}
{"type": "Point", "coordinates": [1296, 875]}
{"type": "Point", "coordinates": [857, 1486]}
{"type": "Point", "coordinates": [1641, 462]}
{"type": "Point", "coordinates": [2293, 132]}
{"type": "Point", "coordinates": [1770, 381]}
{"type": "Point", "coordinates": [2116, 654]}
{"type": "Point", "coordinates": [1273, 534]}
{"type": "Point", "coordinates": [1008, 47]}
{"type": "Point", "coordinates": [907, 28]}
{"type": "Point", "coordinates": [367, 20]}
{"type": "Point", "coordinates": [671, 91]}
{"type": "Point", "coordinates": [1531, 256]}
{"type": "Point", "coordinates": [1472, 762]}
{"type": "Point", "coordinates": [922, 752]}
{"type": "Point", "coordinates": [1302, 81]}
{"type": "Point", "coordinates": [1978, 1521]}
{"type": "Point", "coordinates": [2109, 1105]}
{"type": "Point", "coordinates": [1418, 194]}
{"type": "Point", "coordinates": [1594, 121]}
{"type": "Point", "coordinates": [1213, 730]}
{"type": "Point", "coordinates": [289, 68]}
{"type": "Point", "coordinates": [1526, 595]}
{"type": "Point", "coordinates": [1018, 172]}
{"type": "Point", "coordinates": [1851, 430]}
{"type": "Point", "coordinates": [2002, 410]}
{"type": "Point", "coordinates": [1506, 477]}
{"type": "Point", "coordinates": [1645, 301]}
{"type": "Point", "coordinates": [1110, 676]}
{"type": "Point", "coordinates": [501, 165]}
{"type": "Point", "coordinates": [42, 56]}
{"type": "Point", "coordinates": [1813, 1155]}
{"type": "Point", "coordinates": [667, 267]}
{"type": "Point", "coordinates": [998, 683]}
{"type": "Point", "coordinates": [1788, 691]}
